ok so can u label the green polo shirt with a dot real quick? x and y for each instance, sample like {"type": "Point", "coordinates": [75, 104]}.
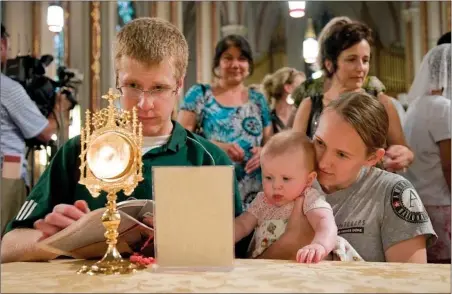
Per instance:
{"type": "Point", "coordinates": [59, 183]}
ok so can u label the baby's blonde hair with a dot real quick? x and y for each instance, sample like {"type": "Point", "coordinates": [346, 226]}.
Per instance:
{"type": "Point", "coordinates": [290, 142]}
{"type": "Point", "coordinates": [150, 40]}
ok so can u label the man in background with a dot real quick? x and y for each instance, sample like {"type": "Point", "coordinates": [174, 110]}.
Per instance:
{"type": "Point", "coordinates": [20, 119]}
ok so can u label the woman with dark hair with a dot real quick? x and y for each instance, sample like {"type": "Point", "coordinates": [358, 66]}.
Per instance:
{"type": "Point", "coordinates": [345, 53]}
{"type": "Point", "coordinates": [232, 116]}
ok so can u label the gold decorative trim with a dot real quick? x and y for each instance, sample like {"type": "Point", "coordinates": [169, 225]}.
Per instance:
{"type": "Point", "coordinates": [36, 21]}
{"type": "Point", "coordinates": [67, 31]}
{"type": "Point", "coordinates": [95, 49]}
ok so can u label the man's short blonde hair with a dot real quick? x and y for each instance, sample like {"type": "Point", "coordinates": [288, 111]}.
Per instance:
{"type": "Point", "coordinates": [290, 142]}
{"type": "Point", "coordinates": [150, 40]}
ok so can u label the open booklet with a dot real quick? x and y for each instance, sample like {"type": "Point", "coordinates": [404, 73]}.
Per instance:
{"type": "Point", "coordinates": [85, 238]}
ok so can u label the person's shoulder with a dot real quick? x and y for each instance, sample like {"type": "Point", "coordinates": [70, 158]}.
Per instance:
{"type": "Point", "coordinates": [9, 85]}
{"type": "Point", "coordinates": [389, 181]}
{"type": "Point", "coordinates": [256, 95]}
{"type": "Point", "coordinates": [202, 145]}
{"type": "Point", "coordinates": [439, 100]}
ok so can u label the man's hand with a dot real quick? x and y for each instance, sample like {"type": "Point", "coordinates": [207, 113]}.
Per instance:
{"type": "Point", "coordinates": [311, 253]}
{"type": "Point", "coordinates": [62, 216]}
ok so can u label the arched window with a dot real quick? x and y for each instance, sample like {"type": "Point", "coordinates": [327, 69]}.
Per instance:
{"type": "Point", "coordinates": [58, 49]}
{"type": "Point", "coordinates": [126, 12]}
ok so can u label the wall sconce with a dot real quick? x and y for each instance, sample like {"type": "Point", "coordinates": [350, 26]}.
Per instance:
{"type": "Point", "coordinates": [55, 18]}
{"type": "Point", "coordinates": [297, 8]}
{"type": "Point", "coordinates": [310, 44]}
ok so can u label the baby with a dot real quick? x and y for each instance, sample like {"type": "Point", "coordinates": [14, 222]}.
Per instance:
{"type": "Point", "coordinates": [288, 171]}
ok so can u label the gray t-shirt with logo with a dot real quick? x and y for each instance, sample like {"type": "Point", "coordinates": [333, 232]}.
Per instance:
{"type": "Point", "coordinates": [378, 211]}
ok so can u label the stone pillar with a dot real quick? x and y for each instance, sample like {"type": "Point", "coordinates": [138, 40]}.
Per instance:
{"type": "Point", "coordinates": [47, 40]}
{"type": "Point", "coordinates": [233, 25]}
{"type": "Point", "coordinates": [204, 52]}
{"type": "Point", "coordinates": [416, 37]}
{"type": "Point", "coordinates": [434, 22]}
{"type": "Point", "coordinates": [295, 41]}
{"type": "Point", "coordinates": [79, 45]}
{"type": "Point", "coordinates": [108, 23]}
{"type": "Point", "coordinates": [406, 16]}
{"type": "Point", "coordinates": [163, 9]}
{"type": "Point", "coordinates": [18, 23]}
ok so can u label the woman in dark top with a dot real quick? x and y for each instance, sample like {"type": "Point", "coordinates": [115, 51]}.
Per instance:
{"type": "Point", "coordinates": [345, 55]}
{"type": "Point", "coordinates": [278, 88]}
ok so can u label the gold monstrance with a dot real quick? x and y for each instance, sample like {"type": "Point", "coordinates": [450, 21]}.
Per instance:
{"type": "Point", "coordinates": [111, 161]}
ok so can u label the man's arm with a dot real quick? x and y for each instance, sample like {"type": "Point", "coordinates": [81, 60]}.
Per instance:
{"type": "Point", "coordinates": [20, 245]}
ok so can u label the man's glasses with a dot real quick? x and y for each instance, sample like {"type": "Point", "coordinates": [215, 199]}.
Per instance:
{"type": "Point", "coordinates": [137, 93]}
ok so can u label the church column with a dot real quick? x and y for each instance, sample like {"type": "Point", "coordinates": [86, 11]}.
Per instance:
{"type": "Point", "coordinates": [233, 26]}
{"type": "Point", "coordinates": [79, 46]}
{"type": "Point", "coordinates": [108, 21]}
{"type": "Point", "coordinates": [434, 22]}
{"type": "Point", "coordinates": [36, 21]}
{"type": "Point", "coordinates": [47, 40]}
{"type": "Point", "coordinates": [162, 9]}
{"type": "Point", "coordinates": [416, 36]}
{"type": "Point", "coordinates": [406, 16]}
{"type": "Point", "coordinates": [204, 53]}
{"type": "Point", "coordinates": [445, 16]}
{"type": "Point", "coordinates": [177, 18]}
{"type": "Point", "coordinates": [19, 28]}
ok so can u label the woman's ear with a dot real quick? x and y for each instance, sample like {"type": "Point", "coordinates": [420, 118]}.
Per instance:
{"type": "Point", "coordinates": [288, 88]}
{"type": "Point", "coordinates": [375, 157]}
{"type": "Point", "coordinates": [329, 66]}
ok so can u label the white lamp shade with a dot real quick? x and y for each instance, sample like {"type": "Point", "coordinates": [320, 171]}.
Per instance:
{"type": "Point", "coordinates": [310, 50]}
{"type": "Point", "coordinates": [55, 18]}
{"type": "Point", "coordinates": [297, 8]}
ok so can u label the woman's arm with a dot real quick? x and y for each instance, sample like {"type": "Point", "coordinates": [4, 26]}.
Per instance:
{"type": "Point", "coordinates": [412, 251]}
{"type": "Point", "coordinates": [267, 133]}
{"type": "Point", "coordinates": [301, 119]}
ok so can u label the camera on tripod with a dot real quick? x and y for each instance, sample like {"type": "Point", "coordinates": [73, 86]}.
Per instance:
{"type": "Point", "coordinates": [30, 71]}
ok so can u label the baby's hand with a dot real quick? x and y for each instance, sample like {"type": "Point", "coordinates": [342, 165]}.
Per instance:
{"type": "Point", "coordinates": [311, 253]}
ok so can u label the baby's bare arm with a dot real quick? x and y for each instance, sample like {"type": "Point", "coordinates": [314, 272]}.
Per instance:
{"type": "Point", "coordinates": [324, 225]}
{"type": "Point", "coordinates": [244, 225]}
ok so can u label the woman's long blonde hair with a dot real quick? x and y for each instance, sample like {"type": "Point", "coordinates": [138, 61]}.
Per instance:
{"type": "Point", "coordinates": [273, 84]}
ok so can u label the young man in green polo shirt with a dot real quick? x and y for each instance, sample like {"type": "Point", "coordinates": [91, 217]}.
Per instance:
{"type": "Point", "coordinates": [151, 58]}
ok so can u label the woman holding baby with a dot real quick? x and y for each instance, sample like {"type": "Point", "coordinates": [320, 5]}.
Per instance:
{"type": "Point", "coordinates": [379, 213]}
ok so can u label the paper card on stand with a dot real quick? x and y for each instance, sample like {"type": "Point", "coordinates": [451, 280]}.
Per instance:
{"type": "Point", "coordinates": [194, 217]}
